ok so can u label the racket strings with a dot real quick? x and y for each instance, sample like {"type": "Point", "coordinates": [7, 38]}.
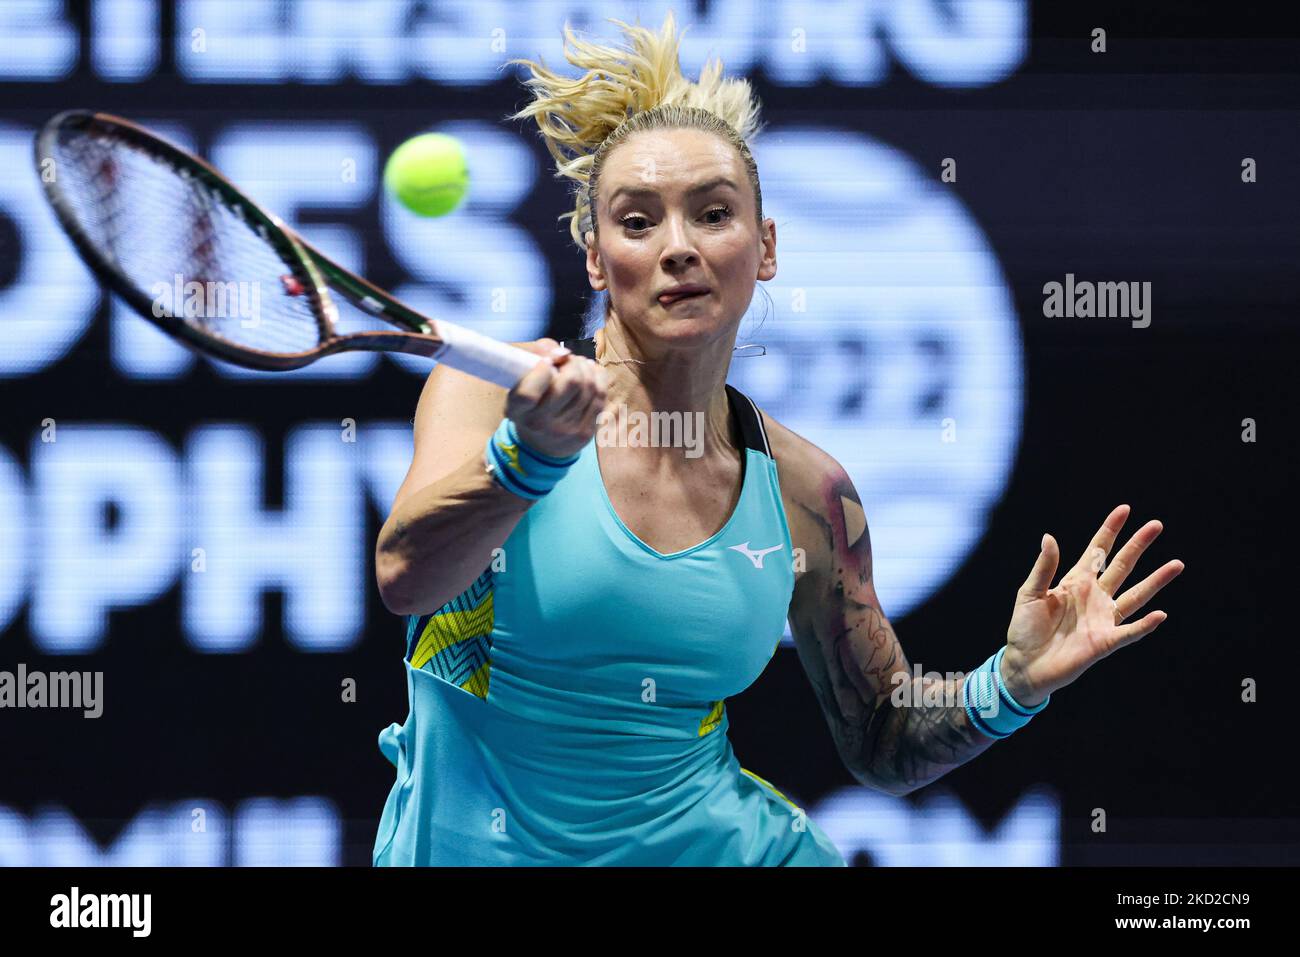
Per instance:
{"type": "Point", "coordinates": [180, 243]}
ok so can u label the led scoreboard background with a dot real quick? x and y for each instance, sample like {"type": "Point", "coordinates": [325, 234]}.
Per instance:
{"type": "Point", "coordinates": [203, 534]}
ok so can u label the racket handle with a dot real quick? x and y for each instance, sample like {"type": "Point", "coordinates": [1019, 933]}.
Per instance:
{"type": "Point", "coordinates": [482, 356]}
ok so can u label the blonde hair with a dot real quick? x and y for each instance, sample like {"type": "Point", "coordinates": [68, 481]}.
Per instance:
{"type": "Point", "coordinates": [626, 91]}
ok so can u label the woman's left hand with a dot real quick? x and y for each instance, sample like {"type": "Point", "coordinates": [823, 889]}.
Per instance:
{"type": "Point", "coordinates": [1056, 634]}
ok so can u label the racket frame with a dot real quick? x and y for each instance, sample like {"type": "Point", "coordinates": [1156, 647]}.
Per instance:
{"type": "Point", "coordinates": [416, 334]}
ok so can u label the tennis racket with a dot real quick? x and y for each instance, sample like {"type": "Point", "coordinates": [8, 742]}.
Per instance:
{"type": "Point", "coordinates": [148, 217]}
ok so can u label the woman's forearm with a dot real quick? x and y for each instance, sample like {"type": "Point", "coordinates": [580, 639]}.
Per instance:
{"type": "Point", "coordinates": [924, 734]}
{"type": "Point", "coordinates": [441, 537]}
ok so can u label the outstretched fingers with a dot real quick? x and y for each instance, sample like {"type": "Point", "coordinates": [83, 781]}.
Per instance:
{"type": "Point", "coordinates": [1040, 576]}
{"type": "Point", "coordinates": [1127, 634]}
{"type": "Point", "coordinates": [1126, 558]}
{"type": "Point", "coordinates": [1132, 600]}
{"type": "Point", "coordinates": [1092, 561]}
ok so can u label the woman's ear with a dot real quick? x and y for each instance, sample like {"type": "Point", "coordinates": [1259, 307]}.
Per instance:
{"type": "Point", "coordinates": [595, 274]}
{"type": "Point", "coordinates": [767, 250]}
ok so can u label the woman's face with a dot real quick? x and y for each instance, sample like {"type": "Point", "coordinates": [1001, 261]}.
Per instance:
{"type": "Point", "coordinates": [675, 207]}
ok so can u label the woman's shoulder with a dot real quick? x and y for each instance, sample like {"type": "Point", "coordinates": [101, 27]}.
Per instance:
{"type": "Point", "coordinates": [821, 503]}
{"type": "Point", "coordinates": [802, 466]}
{"type": "Point", "coordinates": [817, 492]}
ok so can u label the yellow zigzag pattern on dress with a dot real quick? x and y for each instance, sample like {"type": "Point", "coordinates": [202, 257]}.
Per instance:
{"type": "Point", "coordinates": [450, 627]}
{"type": "Point", "coordinates": [712, 719]}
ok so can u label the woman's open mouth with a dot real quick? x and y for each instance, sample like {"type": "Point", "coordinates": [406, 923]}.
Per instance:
{"type": "Point", "coordinates": [672, 300]}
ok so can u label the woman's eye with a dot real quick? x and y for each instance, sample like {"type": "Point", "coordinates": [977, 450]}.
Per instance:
{"type": "Point", "coordinates": [627, 221]}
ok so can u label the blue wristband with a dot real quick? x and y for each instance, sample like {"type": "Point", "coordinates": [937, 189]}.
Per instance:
{"type": "Point", "coordinates": [520, 469]}
{"type": "Point", "coordinates": [989, 705]}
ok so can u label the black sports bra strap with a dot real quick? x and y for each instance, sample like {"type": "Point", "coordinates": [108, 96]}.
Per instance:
{"type": "Point", "coordinates": [583, 347]}
{"type": "Point", "coordinates": [751, 421]}
{"type": "Point", "coordinates": [744, 409]}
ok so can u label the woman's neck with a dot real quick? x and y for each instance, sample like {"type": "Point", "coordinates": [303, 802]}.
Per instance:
{"type": "Point", "coordinates": [648, 382]}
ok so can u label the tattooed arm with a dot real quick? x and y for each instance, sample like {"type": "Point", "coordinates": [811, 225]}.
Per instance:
{"type": "Point", "coordinates": [848, 647]}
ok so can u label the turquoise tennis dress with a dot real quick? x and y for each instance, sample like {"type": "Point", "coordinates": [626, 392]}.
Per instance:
{"type": "Point", "coordinates": [568, 707]}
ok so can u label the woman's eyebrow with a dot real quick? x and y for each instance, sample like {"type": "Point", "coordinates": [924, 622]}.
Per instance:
{"type": "Point", "coordinates": [703, 187]}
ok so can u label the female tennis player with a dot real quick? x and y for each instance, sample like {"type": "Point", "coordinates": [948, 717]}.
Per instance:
{"type": "Point", "coordinates": [581, 608]}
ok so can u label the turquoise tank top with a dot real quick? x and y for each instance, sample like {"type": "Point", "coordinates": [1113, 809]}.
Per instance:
{"type": "Point", "coordinates": [569, 706]}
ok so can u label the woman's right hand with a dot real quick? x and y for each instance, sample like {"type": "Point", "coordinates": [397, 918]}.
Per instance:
{"type": "Point", "coordinates": [555, 405]}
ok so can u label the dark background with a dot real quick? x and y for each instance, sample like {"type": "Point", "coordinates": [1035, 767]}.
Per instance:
{"type": "Point", "coordinates": [1122, 166]}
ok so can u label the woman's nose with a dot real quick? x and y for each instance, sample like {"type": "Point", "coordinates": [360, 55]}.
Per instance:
{"type": "Point", "coordinates": [679, 247]}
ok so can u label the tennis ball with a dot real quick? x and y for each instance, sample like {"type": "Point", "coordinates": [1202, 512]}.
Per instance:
{"type": "Point", "coordinates": [428, 174]}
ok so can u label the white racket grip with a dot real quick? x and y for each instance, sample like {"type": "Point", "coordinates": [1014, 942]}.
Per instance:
{"type": "Point", "coordinates": [482, 356]}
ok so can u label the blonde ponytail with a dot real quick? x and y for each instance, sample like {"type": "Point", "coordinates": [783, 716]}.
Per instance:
{"type": "Point", "coordinates": [625, 91]}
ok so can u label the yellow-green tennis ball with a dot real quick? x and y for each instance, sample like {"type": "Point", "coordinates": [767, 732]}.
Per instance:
{"type": "Point", "coordinates": [428, 174]}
